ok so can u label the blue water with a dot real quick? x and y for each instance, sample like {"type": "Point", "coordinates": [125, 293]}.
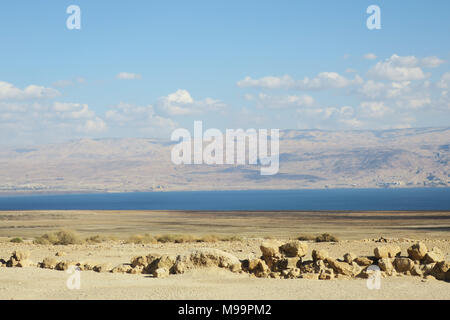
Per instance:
{"type": "Point", "coordinates": [333, 199]}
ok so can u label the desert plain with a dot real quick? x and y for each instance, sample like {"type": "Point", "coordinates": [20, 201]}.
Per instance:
{"type": "Point", "coordinates": [239, 234]}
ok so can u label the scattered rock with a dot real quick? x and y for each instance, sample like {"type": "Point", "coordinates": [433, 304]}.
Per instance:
{"type": "Point", "coordinates": [363, 261]}
{"type": "Point", "coordinates": [349, 257]}
{"type": "Point", "coordinates": [319, 254]}
{"type": "Point", "coordinates": [294, 249]}
{"type": "Point", "coordinates": [270, 248]}
{"type": "Point", "coordinates": [60, 254]}
{"type": "Point", "coordinates": [417, 251]}
{"type": "Point", "coordinates": [386, 265]}
{"type": "Point", "coordinates": [340, 267]}
{"type": "Point", "coordinates": [435, 255]}
{"type": "Point", "coordinates": [389, 251]}
{"type": "Point", "coordinates": [403, 264]}
{"type": "Point", "coordinates": [49, 263]}
{"type": "Point", "coordinates": [101, 268]}
{"type": "Point", "coordinates": [161, 273]}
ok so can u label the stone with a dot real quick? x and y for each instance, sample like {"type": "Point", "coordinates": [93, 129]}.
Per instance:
{"type": "Point", "coordinates": [270, 248]}
{"type": "Point", "coordinates": [206, 257]}
{"type": "Point", "coordinates": [161, 273]}
{"type": "Point", "coordinates": [139, 261]}
{"type": "Point", "coordinates": [435, 255]}
{"type": "Point", "coordinates": [403, 264]}
{"type": "Point", "coordinates": [386, 265]}
{"type": "Point", "coordinates": [237, 267]}
{"type": "Point", "coordinates": [417, 271]}
{"type": "Point", "coordinates": [102, 268]}
{"type": "Point", "coordinates": [64, 265]}
{"type": "Point", "coordinates": [288, 263]}
{"type": "Point", "coordinates": [417, 251]}
{"type": "Point", "coordinates": [319, 254]}
{"type": "Point", "coordinates": [441, 270]}
{"type": "Point", "coordinates": [389, 251]}
{"type": "Point", "coordinates": [349, 257]}
{"type": "Point", "coordinates": [60, 254]}
{"type": "Point", "coordinates": [48, 263]}
{"type": "Point", "coordinates": [340, 267]}
{"type": "Point", "coordinates": [310, 276]}
{"type": "Point", "coordinates": [294, 249]}
{"type": "Point", "coordinates": [363, 261]}
{"type": "Point", "coordinates": [20, 255]}
{"type": "Point", "coordinates": [123, 268]}
{"type": "Point", "coordinates": [178, 268]}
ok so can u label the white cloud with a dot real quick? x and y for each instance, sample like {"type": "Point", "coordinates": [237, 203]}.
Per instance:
{"type": "Point", "coordinates": [181, 103]}
{"type": "Point", "coordinates": [95, 125]}
{"type": "Point", "coordinates": [288, 101]}
{"type": "Point", "coordinates": [432, 62]}
{"type": "Point", "coordinates": [397, 68]}
{"type": "Point", "coordinates": [370, 56]}
{"type": "Point", "coordinates": [374, 109]}
{"type": "Point", "coordinates": [128, 76]}
{"type": "Point", "coordinates": [68, 83]}
{"type": "Point", "coordinates": [323, 81]}
{"type": "Point", "coordinates": [9, 92]}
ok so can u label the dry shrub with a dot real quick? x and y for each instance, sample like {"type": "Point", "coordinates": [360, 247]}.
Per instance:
{"type": "Point", "coordinates": [63, 237]}
{"type": "Point", "coordinates": [141, 239]}
{"type": "Point", "coordinates": [306, 237]}
{"type": "Point", "coordinates": [326, 237]}
{"type": "Point", "coordinates": [16, 240]}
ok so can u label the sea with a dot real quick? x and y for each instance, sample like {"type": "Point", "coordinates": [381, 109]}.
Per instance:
{"type": "Point", "coordinates": [417, 199]}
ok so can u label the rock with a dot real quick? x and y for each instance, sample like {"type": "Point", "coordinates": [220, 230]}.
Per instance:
{"type": "Point", "coordinates": [270, 248]}
{"type": "Point", "coordinates": [288, 263]}
{"type": "Point", "coordinates": [417, 251]}
{"type": "Point", "coordinates": [294, 249]}
{"type": "Point", "coordinates": [64, 265]}
{"type": "Point", "coordinates": [441, 270]}
{"type": "Point", "coordinates": [49, 263]}
{"type": "Point", "coordinates": [60, 254]}
{"type": "Point", "coordinates": [2, 263]}
{"type": "Point", "coordinates": [102, 268]}
{"type": "Point", "coordinates": [310, 276]}
{"type": "Point", "coordinates": [319, 254]}
{"type": "Point", "coordinates": [123, 268]}
{"type": "Point", "coordinates": [237, 267]}
{"type": "Point", "coordinates": [386, 265]}
{"type": "Point", "coordinates": [403, 264]}
{"type": "Point", "coordinates": [210, 258]}
{"type": "Point", "coordinates": [349, 257]}
{"type": "Point", "coordinates": [308, 266]}
{"type": "Point", "coordinates": [363, 261]}
{"type": "Point", "coordinates": [161, 273]}
{"type": "Point", "coordinates": [340, 267]}
{"type": "Point", "coordinates": [291, 273]}
{"type": "Point", "coordinates": [435, 255]}
{"type": "Point", "coordinates": [179, 267]}
{"type": "Point", "coordinates": [139, 261]}
{"type": "Point", "coordinates": [326, 274]}
{"type": "Point", "coordinates": [430, 277]}
{"type": "Point", "coordinates": [389, 251]}
{"type": "Point", "coordinates": [136, 270]}
{"type": "Point", "coordinates": [20, 255]}
{"type": "Point", "coordinates": [417, 271]}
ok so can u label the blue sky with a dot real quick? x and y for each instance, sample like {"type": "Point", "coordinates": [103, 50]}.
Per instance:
{"type": "Point", "coordinates": [143, 68]}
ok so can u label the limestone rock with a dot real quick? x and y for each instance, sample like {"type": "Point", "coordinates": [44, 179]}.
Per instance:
{"type": "Point", "coordinates": [270, 248]}
{"type": "Point", "coordinates": [340, 267]}
{"type": "Point", "coordinates": [403, 264]}
{"type": "Point", "coordinates": [20, 255]}
{"type": "Point", "coordinates": [435, 255]}
{"type": "Point", "coordinates": [417, 251]}
{"type": "Point", "coordinates": [363, 261]}
{"type": "Point", "coordinates": [319, 254]}
{"type": "Point", "coordinates": [386, 265]}
{"type": "Point", "coordinates": [389, 251]}
{"type": "Point", "coordinates": [294, 249]}
{"type": "Point", "coordinates": [161, 273]}
{"type": "Point", "coordinates": [349, 257]}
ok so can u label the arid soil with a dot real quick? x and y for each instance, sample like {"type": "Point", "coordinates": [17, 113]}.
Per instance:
{"type": "Point", "coordinates": [357, 237]}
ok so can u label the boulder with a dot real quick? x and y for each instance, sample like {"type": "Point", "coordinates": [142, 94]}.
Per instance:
{"type": "Point", "coordinates": [64, 265]}
{"type": "Point", "coordinates": [102, 268]}
{"type": "Point", "coordinates": [294, 249]}
{"type": "Point", "coordinates": [20, 255]}
{"type": "Point", "coordinates": [209, 258]}
{"type": "Point", "coordinates": [363, 261]}
{"type": "Point", "coordinates": [319, 254]}
{"type": "Point", "coordinates": [48, 263]}
{"type": "Point", "coordinates": [60, 254]}
{"type": "Point", "coordinates": [237, 267]}
{"type": "Point", "coordinates": [340, 267]}
{"type": "Point", "coordinates": [164, 261]}
{"type": "Point", "coordinates": [403, 264]}
{"type": "Point", "coordinates": [139, 261]}
{"type": "Point", "coordinates": [349, 257]}
{"type": "Point", "coordinates": [386, 265]}
{"type": "Point", "coordinates": [441, 270]}
{"type": "Point", "coordinates": [310, 276]}
{"type": "Point", "coordinates": [161, 273]}
{"type": "Point", "coordinates": [122, 268]}
{"type": "Point", "coordinates": [270, 248]}
{"type": "Point", "coordinates": [179, 267]}
{"type": "Point", "coordinates": [389, 251]}
{"type": "Point", "coordinates": [435, 255]}
{"type": "Point", "coordinates": [288, 263]}
{"type": "Point", "coordinates": [417, 271]}
{"type": "Point", "coordinates": [417, 251]}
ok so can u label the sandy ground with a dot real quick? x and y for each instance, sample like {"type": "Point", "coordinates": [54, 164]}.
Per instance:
{"type": "Point", "coordinates": [34, 283]}
{"type": "Point", "coordinates": [356, 237]}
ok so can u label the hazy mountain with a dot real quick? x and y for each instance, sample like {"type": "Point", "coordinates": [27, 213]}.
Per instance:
{"type": "Point", "coordinates": [308, 159]}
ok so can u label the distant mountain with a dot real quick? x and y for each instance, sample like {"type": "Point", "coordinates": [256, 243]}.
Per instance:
{"type": "Point", "coordinates": [308, 159]}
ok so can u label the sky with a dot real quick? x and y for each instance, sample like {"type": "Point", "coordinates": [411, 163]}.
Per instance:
{"type": "Point", "coordinates": [145, 68]}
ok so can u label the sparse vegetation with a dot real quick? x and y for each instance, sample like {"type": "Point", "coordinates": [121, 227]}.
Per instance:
{"type": "Point", "coordinates": [16, 240]}
{"type": "Point", "coordinates": [326, 237]}
{"type": "Point", "coordinates": [141, 239]}
{"type": "Point", "coordinates": [306, 238]}
{"type": "Point", "coordinates": [63, 237]}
